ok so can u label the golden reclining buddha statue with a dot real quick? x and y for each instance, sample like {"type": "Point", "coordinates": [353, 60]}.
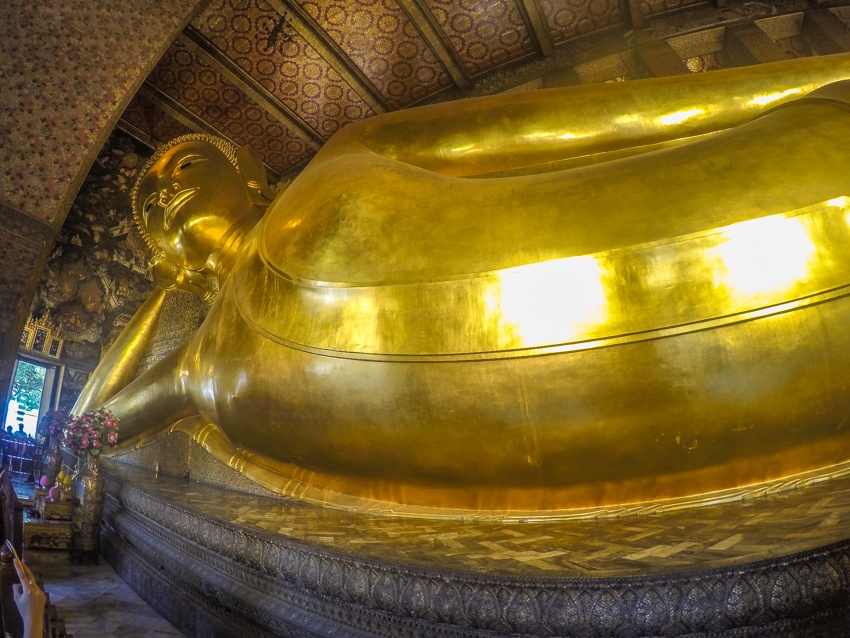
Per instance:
{"type": "Point", "coordinates": [528, 303]}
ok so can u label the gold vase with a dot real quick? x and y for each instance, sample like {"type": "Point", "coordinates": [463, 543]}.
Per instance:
{"type": "Point", "coordinates": [87, 508]}
{"type": "Point", "coordinates": [51, 462]}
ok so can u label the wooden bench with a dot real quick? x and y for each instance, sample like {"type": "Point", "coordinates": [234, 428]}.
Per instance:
{"type": "Point", "coordinates": [12, 522]}
{"type": "Point", "coordinates": [11, 529]}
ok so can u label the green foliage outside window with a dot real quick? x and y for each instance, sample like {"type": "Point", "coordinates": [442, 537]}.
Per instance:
{"type": "Point", "coordinates": [28, 385]}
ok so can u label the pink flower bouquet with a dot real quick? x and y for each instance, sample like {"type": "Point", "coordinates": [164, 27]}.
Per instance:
{"type": "Point", "coordinates": [91, 432]}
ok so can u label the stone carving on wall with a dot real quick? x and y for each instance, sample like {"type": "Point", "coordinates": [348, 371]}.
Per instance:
{"type": "Point", "coordinates": [97, 273]}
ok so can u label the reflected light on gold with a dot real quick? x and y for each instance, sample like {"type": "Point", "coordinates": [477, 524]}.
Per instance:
{"type": "Point", "coordinates": [549, 302]}
{"type": "Point", "coordinates": [679, 116]}
{"type": "Point", "coordinates": [471, 146]}
{"type": "Point", "coordinates": [362, 315]}
{"type": "Point", "coordinates": [627, 119]}
{"type": "Point", "coordinates": [765, 255]}
{"type": "Point", "coordinates": [763, 100]}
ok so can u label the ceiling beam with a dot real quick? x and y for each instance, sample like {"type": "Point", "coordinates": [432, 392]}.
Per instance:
{"type": "Point", "coordinates": [138, 134]}
{"type": "Point", "coordinates": [194, 40]}
{"type": "Point", "coordinates": [178, 111]}
{"type": "Point", "coordinates": [825, 33]}
{"type": "Point", "coordinates": [661, 60]}
{"type": "Point", "coordinates": [437, 40]}
{"type": "Point", "coordinates": [297, 18]}
{"type": "Point", "coordinates": [189, 119]}
{"type": "Point", "coordinates": [632, 16]}
{"type": "Point", "coordinates": [538, 28]}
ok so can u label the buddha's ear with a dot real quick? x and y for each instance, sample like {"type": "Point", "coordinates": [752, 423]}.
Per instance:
{"type": "Point", "coordinates": [254, 174]}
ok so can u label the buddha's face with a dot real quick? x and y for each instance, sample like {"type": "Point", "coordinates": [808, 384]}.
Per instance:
{"type": "Point", "coordinates": [188, 199]}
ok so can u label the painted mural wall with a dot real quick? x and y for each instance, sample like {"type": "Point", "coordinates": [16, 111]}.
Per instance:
{"type": "Point", "coordinates": [97, 277]}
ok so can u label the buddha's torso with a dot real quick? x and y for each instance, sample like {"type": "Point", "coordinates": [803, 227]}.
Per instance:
{"type": "Point", "coordinates": [659, 325]}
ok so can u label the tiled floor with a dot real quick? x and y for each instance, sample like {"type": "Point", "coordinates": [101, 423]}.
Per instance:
{"type": "Point", "coordinates": [93, 601]}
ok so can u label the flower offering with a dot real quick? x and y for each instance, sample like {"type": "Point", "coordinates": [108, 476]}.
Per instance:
{"type": "Point", "coordinates": [89, 433]}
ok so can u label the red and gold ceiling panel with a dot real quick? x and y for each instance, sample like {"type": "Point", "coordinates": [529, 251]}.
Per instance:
{"type": "Point", "coordinates": [568, 19]}
{"type": "Point", "coordinates": [185, 78]}
{"type": "Point", "coordinates": [653, 7]}
{"type": "Point", "coordinates": [151, 118]}
{"type": "Point", "coordinates": [485, 33]}
{"type": "Point", "coordinates": [255, 36]}
{"type": "Point", "coordinates": [380, 39]}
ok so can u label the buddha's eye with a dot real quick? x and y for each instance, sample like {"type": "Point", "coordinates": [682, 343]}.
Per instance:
{"type": "Point", "coordinates": [186, 162]}
{"type": "Point", "coordinates": [146, 208]}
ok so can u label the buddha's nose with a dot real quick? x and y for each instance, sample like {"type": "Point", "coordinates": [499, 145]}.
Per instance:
{"type": "Point", "coordinates": [167, 193]}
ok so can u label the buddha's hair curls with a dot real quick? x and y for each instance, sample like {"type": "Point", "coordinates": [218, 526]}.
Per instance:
{"type": "Point", "coordinates": [225, 146]}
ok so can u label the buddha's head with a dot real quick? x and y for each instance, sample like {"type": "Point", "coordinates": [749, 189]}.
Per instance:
{"type": "Point", "coordinates": [190, 196]}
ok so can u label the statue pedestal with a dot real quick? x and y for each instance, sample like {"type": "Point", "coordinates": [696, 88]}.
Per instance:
{"type": "Point", "coordinates": [212, 560]}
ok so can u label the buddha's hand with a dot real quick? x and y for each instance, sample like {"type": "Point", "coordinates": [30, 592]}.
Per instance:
{"type": "Point", "coordinates": [170, 276]}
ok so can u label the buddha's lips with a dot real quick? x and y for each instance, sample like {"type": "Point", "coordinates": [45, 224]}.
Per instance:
{"type": "Point", "coordinates": [176, 203]}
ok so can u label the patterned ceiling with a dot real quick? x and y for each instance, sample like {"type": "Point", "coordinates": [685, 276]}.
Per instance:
{"type": "Point", "coordinates": [284, 75]}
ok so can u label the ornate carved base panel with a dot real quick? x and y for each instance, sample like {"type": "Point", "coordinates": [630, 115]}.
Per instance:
{"type": "Point", "coordinates": [44, 534]}
{"type": "Point", "coordinates": [53, 510]}
{"type": "Point", "coordinates": [220, 563]}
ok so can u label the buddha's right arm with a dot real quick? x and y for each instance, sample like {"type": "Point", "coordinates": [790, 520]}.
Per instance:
{"type": "Point", "coordinates": [510, 131]}
{"type": "Point", "coordinates": [153, 401]}
{"type": "Point", "coordinates": [120, 364]}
